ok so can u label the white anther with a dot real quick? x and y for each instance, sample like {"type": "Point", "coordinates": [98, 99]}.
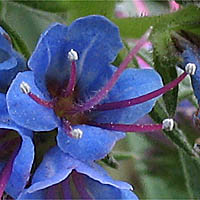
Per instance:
{"type": "Point", "coordinates": [190, 68]}
{"type": "Point", "coordinates": [168, 124]}
{"type": "Point", "coordinates": [76, 133]}
{"type": "Point", "coordinates": [196, 146]}
{"type": "Point", "coordinates": [25, 88]}
{"type": "Point", "coordinates": [72, 55]}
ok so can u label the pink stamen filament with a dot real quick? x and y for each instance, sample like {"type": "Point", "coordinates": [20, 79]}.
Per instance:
{"type": "Point", "coordinates": [141, 99]}
{"type": "Point", "coordinates": [129, 127]}
{"type": "Point", "coordinates": [72, 81]}
{"type": "Point", "coordinates": [42, 102]}
{"type": "Point", "coordinates": [104, 91]}
{"type": "Point", "coordinates": [67, 127]}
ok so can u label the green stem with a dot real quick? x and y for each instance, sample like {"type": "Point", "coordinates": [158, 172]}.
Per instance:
{"type": "Point", "coordinates": [191, 170]}
{"type": "Point", "coordinates": [18, 43]}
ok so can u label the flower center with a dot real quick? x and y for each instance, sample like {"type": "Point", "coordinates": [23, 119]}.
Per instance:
{"type": "Point", "coordinates": [63, 107]}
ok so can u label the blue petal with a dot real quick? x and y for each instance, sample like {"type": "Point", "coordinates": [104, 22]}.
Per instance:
{"type": "Point", "coordinates": [105, 191]}
{"type": "Point", "coordinates": [49, 53]}
{"type": "Point", "coordinates": [5, 120]}
{"type": "Point", "coordinates": [26, 112]}
{"type": "Point", "coordinates": [7, 60]}
{"type": "Point", "coordinates": [55, 167]}
{"type": "Point", "coordinates": [8, 75]}
{"type": "Point", "coordinates": [24, 159]}
{"type": "Point", "coordinates": [94, 78]}
{"type": "Point", "coordinates": [95, 143]}
{"type": "Point", "coordinates": [35, 195]}
{"type": "Point", "coordinates": [97, 41]}
{"type": "Point", "coordinates": [95, 36]}
{"type": "Point", "coordinates": [132, 83]}
{"type": "Point", "coordinates": [89, 36]}
{"type": "Point", "coordinates": [97, 173]}
{"type": "Point", "coordinates": [21, 167]}
{"type": "Point", "coordinates": [190, 56]}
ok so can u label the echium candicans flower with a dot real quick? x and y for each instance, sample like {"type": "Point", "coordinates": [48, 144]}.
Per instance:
{"type": "Point", "coordinates": [60, 176]}
{"type": "Point", "coordinates": [74, 87]}
{"type": "Point", "coordinates": [16, 147]}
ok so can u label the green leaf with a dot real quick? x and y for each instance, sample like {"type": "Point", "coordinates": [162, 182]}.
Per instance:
{"type": "Point", "coordinates": [186, 2]}
{"type": "Point", "coordinates": [191, 169]}
{"type": "Point", "coordinates": [158, 168]}
{"type": "Point", "coordinates": [83, 8]}
{"type": "Point", "coordinates": [50, 6]}
{"type": "Point", "coordinates": [186, 19]}
{"type": "Point", "coordinates": [77, 8]}
{"type": "Point", "coordinates": [28, 23]}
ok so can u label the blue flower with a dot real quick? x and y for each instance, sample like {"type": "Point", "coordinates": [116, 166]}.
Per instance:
{"type": "Point", "coordinates": [54, 177]}
{"type": "Point", "coordinates": [16, 147]}
{"type": "Point", "coordinates": [10, 61]}
{"type": "Point", "coordinates": [16, 153]}
{"type": "Point", "coordinates": [71, 75]}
